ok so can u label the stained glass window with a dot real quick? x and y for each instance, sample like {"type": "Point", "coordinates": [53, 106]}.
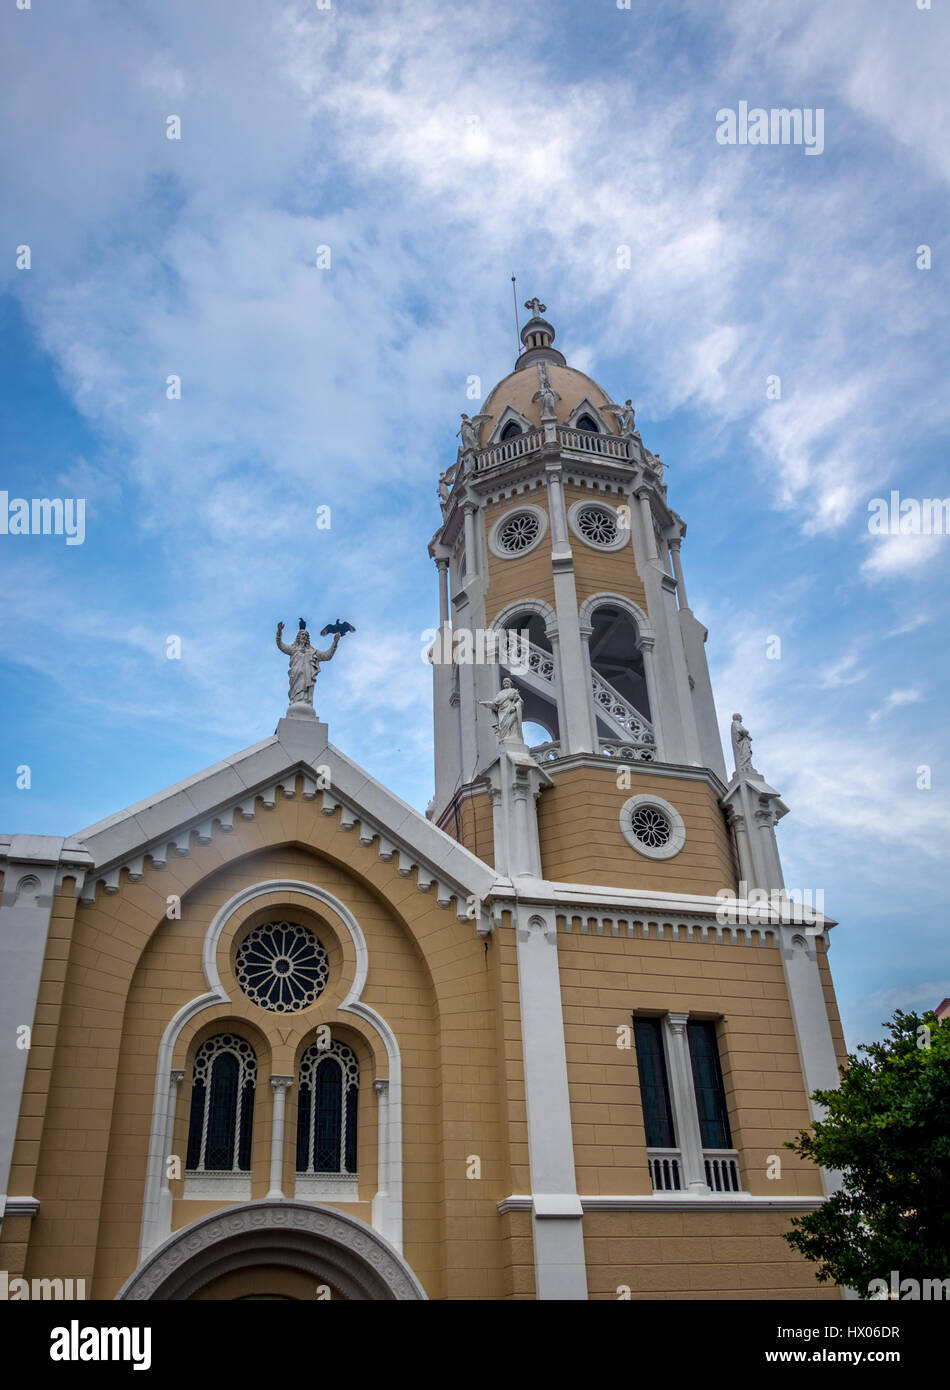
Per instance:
{"type": "Point", "coordinates": [222, 1106]}
{"type": "Point", "coordinates": [327, 1109]}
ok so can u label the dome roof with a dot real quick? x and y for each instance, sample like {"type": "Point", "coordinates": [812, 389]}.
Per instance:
{"type": "Point", "coordinates": [518, 388]}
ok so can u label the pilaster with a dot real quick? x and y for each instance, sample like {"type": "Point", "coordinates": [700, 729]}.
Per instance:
{"type": "Point", "coordinates": [280, 1085]}
{"type": "Point", "coordinates": [557, 1225]}
{"type": "Point", "coordinates": [676, 1043]}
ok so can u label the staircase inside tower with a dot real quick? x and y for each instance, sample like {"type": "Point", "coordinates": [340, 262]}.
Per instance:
{"type": "Point", "coordinates": [618, 685]}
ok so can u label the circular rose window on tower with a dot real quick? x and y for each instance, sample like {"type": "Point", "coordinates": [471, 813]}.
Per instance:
{"type": "Point", "coordinates": [652, 826]}
{"type": "Point", "coordinates": [519, 532]}
{"type": "Point", "coordinates": [282, 966]}
{"type": "Point", "coordinates": [597, 525]}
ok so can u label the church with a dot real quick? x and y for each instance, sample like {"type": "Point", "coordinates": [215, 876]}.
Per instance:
{"type": "Point", "coordinates": [272, 1033]}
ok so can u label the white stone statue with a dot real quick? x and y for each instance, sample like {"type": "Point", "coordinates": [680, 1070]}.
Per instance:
{"type": "Point", "coordinates": [506, 708]}
{"type": "Point", "coordinates": [304, 663]}
{"type": "Point", "coordinates": [626, 418]}
{"type": "Point", "coordinates": [469, 431]}
{"type": "Point", "coordinates": [741, 745]}
{"type": "Point", "coordinates": [546, 395]}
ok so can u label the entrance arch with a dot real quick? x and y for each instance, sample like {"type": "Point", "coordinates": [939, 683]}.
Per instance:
{"type": "Point", "coordinates": [326, 1245]}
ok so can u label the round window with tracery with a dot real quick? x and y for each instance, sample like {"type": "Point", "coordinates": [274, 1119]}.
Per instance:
{"type": "Point", "coordinates": [519, 532]}
{"type": "Point", "coordinates": [650, 826]}
{"type": "Point", "coordinates": [282, 966]}
{"type": "Point", "coordinates": [597, 525]}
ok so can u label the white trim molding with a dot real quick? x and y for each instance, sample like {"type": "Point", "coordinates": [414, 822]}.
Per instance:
{"type": "Point", "coordinates": [387, 1204]}
{"type": "Point", "coordinates": [679, 1201]}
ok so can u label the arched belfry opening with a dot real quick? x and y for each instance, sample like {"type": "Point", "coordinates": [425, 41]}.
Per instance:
{"type": "Point", "coordinates": [616, 657]}
{"type": "Point", "coordinates": [530, 663]}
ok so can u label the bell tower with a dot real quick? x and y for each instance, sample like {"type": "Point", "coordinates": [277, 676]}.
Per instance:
{"type": "Point", "coordinates": [559, 560]}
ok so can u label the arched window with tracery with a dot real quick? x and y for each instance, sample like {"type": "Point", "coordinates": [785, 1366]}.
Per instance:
{"type": "Point", "coordinates": [327, 1102]}
{"type": "Point", "coordinates": [222, 1106]}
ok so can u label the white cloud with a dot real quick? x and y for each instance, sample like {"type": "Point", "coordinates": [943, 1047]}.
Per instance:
{"type": "Point", "coordinates": [895, 700]}
{"type": "Point", "coordinates": [891, 556]}
{"type": "Point", "coordinates": [843, 672]}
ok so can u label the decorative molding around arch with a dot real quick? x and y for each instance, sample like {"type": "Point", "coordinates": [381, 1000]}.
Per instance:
{"type": "Point", "coordinates": [328, 1245]}
{"type": "Point", "coordinates": [527, 605]}
{"type": "Point", "coordinates": [387, 1203]}
{"type": "Point", "coordinates": [507, 417]}
{"type": "Point", "coordinates": [590, 605]}
{"type": "Point", "coordinates": [587, 407]}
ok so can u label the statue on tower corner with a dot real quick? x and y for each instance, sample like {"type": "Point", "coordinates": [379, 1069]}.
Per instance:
{"type": "Point", "coordinates": [506, 708]}
{"type": "Point", "coordinates": [469, 431]}
{"type": "Point", "coordinates": [305, 660]}
{"type": "Point", "coordinates": [626, 418]}
{"type": "Point", "coordinates": [741, 746]}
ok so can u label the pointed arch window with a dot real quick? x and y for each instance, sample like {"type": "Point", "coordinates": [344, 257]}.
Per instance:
{"type": "Point", "coordinates": [222, 1106]}
{"type": "Point", "coordinates": [586, 422]}
{"type": "Point", "coordinates": [327, 1103]}
{"type": "Point", "coordinates": [511, 429]}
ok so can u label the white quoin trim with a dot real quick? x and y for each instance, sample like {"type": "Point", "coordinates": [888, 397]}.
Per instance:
{"type": "Point", "coordinates": [387, 1204]}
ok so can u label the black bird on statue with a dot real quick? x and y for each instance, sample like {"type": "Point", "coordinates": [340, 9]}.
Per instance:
{"type": "Point", "coordinates": [339, 627]}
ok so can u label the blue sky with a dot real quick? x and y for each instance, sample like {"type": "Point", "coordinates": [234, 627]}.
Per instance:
{"type": "Point", "coordinates": [437, 149]}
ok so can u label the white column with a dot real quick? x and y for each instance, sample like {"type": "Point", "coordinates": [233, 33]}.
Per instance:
{"type": "Point", "coordinates": [386, 1211]}
{"type": "Point", "coordinates": [471, 554]}
{"type": "Point", "coordinates": [577, 726]}
{"type": "Point", "coordinates": [768, 845]}
{"type": "Point", "coordinates": [163, 1222]}
{"type": "Point", "coordinates": [29, 885]}
{"type": "Point", "coordinates": [555, 640]}
{"type": "Point", "coordinates": [678, 572]}
{"type": "Point", "coordinates": [557, 1225]}
{"type": "Point", "coordinates": [649, 535]}
{"type": "Point", "coordinates": [816, 1049]}
{"type": "Point", "coordinates": [442, 564]}
{"type": "Point", "coordinates": [560, 544]}
{"type": "Point", "coordinates": [281, 1085]}
{"type": "Point", "coordinates": [649, 672]}
{"type": "Point", "coordinates": [684, 1102]}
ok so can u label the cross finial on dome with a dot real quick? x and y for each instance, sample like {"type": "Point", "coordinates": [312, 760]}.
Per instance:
{"type": "Point", "coordinates": [537, 337]}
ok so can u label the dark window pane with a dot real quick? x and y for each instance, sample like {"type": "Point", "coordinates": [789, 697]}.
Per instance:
{"type": "Point", "coordinates": [654, 1088]}
{"type": "Point", "coordinates": [707, 1080]}
{"type": "Point", "coordinates": [303, 1128]}
{"type": "Point", "coordinates": [247, 1118]}
{"type": "Point", "coordinates": [222, 1115]}
{"type": "Point", "coordinates": [510, 430]}
{"type": "Point", "coordinates": [195, 1122]}
{"type": "Point", "coordinates": [328, 1083]}
{"type": "Point", "coordinates": [586, 423]}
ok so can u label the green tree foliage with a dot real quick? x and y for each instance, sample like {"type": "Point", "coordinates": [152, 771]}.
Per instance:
{"type": "Point", "coordinates": [887, 1130]}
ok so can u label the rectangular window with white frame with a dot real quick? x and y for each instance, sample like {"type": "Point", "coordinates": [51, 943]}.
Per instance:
{"type": "Point", "coordinates": [685, 1113]}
